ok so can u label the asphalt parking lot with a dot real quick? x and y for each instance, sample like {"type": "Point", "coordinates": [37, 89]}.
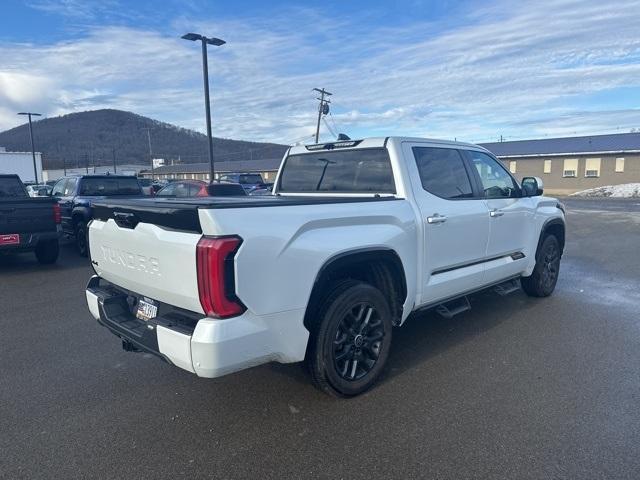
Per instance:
{"type": "Point", "coordinates": [515, 388]}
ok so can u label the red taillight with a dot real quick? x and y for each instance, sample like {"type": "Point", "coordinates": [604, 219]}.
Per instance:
{"type": "Point", "coordinates": [57, 215]}
{"type": "Point", "coordinates": [215, 276]}
{"type": "Point", "coordinates": [203, 192]}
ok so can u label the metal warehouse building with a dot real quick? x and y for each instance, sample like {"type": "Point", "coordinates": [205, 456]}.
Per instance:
{"type": "Point", "coordinates": [267, 167]}
{"type": "Point", "coordinates": [567, 165]}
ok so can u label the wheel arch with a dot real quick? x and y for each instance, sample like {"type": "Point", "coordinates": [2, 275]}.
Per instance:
{"type": "Point", "coordinates": [379, 266]}
{"type": "Point", "coordinates": [556, 227]}
{"type": "Point", "coordinates": [80, 214]}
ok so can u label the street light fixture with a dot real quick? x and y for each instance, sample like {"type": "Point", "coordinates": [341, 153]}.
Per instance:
{"type": "Point", "coordinates": [33, 149]}
{"type": "Point", "coordinates": [205, 71]}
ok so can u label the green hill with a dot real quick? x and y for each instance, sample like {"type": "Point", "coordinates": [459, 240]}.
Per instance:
{"type": "Point", "coordinates": [91, 138]}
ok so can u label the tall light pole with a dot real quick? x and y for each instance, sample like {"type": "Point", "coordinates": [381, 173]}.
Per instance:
{"type": "Point", "coordinates": [205, 71]}
{"type": "Point", "coordinates": [150, 154]}
{"type": "Point", "coordinates": [33, 148]}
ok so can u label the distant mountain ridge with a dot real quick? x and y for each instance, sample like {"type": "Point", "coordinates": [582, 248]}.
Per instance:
{"type": "Point", "coordinates": [92, 137]}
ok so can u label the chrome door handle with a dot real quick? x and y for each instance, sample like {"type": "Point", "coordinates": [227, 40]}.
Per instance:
{"type": "Point", "coordinates": [496, 213]}
{"type": "Point", "coordinates": [436, 218]}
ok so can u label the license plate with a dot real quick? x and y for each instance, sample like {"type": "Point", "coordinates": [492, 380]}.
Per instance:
{"type": "Point", "coordinates": [10, 239]}
{"type": "Point", "coordinates": [147, 309]}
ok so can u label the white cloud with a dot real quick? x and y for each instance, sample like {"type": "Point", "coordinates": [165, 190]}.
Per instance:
{"type": "Point", "coordinates": [518, 69]}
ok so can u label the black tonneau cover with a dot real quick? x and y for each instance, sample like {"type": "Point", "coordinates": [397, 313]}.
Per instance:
{"type": "Point", "coordinates": [182, 214]}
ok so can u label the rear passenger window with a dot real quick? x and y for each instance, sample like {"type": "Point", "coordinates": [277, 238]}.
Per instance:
{"type": "Point", "coordinates": [442, 172]}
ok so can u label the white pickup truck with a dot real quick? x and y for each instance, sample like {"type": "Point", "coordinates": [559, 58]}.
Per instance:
{"type": "Point", "coordinates": [357, 236]}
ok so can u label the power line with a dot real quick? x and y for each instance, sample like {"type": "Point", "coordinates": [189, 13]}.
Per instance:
{"type": "Point", "coordinates": [329, 127]}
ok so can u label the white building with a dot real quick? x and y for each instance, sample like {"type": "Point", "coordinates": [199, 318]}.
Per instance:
{"type": "Point", "coordinates": [20, 163]}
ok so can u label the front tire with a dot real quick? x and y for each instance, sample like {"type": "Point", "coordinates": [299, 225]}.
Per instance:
{"type": "Point", "coordinates": [81, 238]}
{"type": "Point", "coordinates": [350, 339]}
{"type": "Point", "coordinates": [542, 281]}
{"type": "Point", "coordinates": [47, 252]}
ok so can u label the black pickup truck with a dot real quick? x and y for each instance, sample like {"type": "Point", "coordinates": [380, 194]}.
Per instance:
{"type": "Point", "coordinates": [27, 224]}
{"type": "Point", "coordinates": [76, 194]}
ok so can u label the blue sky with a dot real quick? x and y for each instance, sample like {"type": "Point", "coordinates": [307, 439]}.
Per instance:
{"type": "Point", "coordinates": [467, 70]}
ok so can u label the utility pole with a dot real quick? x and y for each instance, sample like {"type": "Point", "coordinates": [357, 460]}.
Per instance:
{"type": "Point", "coordinates": [86, 163]}
{"type": "Point", "coordinates": [115, 167]}
{"type": "Point", "coordinates": [323, 108]}
{"type": "Point", "coordinates": [150, 154]}
{"type": "Point", "coordinates": [64, 166]}
{"type": "Point", "coordinates": [33, 149]}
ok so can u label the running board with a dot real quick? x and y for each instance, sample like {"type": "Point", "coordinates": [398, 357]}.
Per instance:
{"type": "Point", "coordinates": [505, 288]}
{"type": "Point", "coordinates": [453, 307]}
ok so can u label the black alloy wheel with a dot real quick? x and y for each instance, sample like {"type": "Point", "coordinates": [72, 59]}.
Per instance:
{"type": "Point", "coordinates": [542, 282]}
{"type": "Point", "coordinates": [350, 338]}
{"type": "Point", "coordinates": [357, 343]}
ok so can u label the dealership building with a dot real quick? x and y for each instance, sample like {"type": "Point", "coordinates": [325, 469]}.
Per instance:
{"type": "Point", "coordinates": [567, 165]}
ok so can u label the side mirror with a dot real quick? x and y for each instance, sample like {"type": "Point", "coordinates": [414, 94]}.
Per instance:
{"type": "Point", "coordinates": [532, 187]}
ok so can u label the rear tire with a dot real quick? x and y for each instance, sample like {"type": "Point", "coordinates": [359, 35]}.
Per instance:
{"type": "Point", "coordinates": [47, 252]}
{"type": "Point", "coordinates": [542, 281]}
{"type": "Point", "coordinates": [81, 238]}
{"type": "Point", "coordinates": [350, 339]}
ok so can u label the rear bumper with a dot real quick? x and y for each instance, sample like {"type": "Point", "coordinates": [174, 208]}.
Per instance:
{"type": "Point", "coordinates": [204, 346]}
{"type": "Point", "coordinates": [29, 241]}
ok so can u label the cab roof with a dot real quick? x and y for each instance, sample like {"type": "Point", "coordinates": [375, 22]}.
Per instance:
{"type": "Point", "coordinates": [375, 142]}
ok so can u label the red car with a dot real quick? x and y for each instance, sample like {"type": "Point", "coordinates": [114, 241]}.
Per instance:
{"type": "Point", "coordinates": [198, 188]}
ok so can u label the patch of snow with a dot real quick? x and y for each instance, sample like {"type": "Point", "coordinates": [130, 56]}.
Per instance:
{"type": "Point", "coordinates": [626, 190]}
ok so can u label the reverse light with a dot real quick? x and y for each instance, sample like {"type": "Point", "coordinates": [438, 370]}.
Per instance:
{"type": "Point", "coordinates": [57, 214]}
{"type": "Point", "coordinates": [214, 260]}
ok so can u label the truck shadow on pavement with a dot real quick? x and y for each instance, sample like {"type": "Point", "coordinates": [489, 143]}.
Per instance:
{"type": "Point", "coordinates": [425, 335]}
{"type": "Point", "coordinates": [27, 263]}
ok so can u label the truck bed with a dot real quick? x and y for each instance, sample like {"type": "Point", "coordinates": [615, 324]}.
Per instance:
{"type": "Point", "coordinates": [182, 214]}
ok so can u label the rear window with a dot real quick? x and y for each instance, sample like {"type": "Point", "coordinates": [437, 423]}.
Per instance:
{"type": "Point", "coordinates": [353, 171]}
{"type": "Point", "coordinates": [226, 189]}
{"type": "Point", "coordinates": [110, 186]}
{"type": "Point", "coordinates": [11, 187]}
{"type": "Point", "coordinates": [250, 178]}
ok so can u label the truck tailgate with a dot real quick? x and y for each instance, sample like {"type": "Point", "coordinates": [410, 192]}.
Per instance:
{"type": "Point", "coordinates": [27, 215]}
{"type": "Point", "coordinates": [155, 261]}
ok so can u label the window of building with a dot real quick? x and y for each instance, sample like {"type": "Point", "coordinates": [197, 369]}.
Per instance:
{"type": "Point", "coordinates": [619, 165]}
{"type": "Point", "coordinates": [592, 167]}
{"type": "Point", "coordinates": [570, 167]}
{"type": "Point", "coordinates": [512, 166]}
{"type": "Point", "coordinates": [547, 166]}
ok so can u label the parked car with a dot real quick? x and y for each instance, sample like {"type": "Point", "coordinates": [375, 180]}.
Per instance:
{"type": "Point", "coordinates": [150, 187]}
{"type": "Point", "coordinates": [27, 224]}
{"type": "Point", "coordinates": [266, 189]}
{"type": "Point", "coordinates": [357, 236]}
{"type": "Point", "coordinates": [76, 194]}
{"type": "Point", "coordinates": [198, 188]}
{"type": "Point", "coordinates": [39, 190]}
{"type": "Point", "coordinates": [249, 181]}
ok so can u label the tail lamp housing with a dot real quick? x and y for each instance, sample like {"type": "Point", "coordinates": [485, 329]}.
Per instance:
{"type": "Point", "coordinates": [57, 214]}
{"type": "Point", "coordinates": [214, 259]}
